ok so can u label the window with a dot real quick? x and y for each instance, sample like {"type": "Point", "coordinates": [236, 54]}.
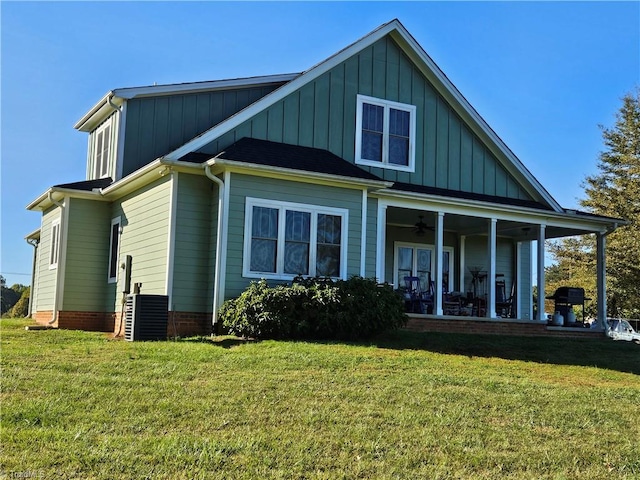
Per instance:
{"type": "Point", "coordinates": [385, 134]}
{"type": "Point", "coordinates": [102, 149]}
{"type": "Point", "coordinates": [54, 252]}
{"type": "Point", "coordinates": [283, 240]}
{"type": "Point", "coordinates": [114, 249]}
{"type": "Point", "coordinates": [417, 260]}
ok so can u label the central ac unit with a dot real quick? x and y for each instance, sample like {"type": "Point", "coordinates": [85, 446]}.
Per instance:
{"type": "Point", "coordinates": [146, 317]}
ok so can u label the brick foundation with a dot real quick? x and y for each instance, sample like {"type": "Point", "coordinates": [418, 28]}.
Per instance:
{"type": "Point", "coordinates": [180, 324]}
{"type": "Point", "coordinates": [494, 327]}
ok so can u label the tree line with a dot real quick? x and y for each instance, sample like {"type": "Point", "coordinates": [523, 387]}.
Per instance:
{"type": "Point", "coordinates": [614, 191]}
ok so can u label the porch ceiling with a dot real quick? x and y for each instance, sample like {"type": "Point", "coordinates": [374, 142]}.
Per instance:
{"type": "Point", "coordinates": [472, 225]}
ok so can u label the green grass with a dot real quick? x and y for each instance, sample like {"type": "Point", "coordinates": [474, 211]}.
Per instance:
{"type": "Point", "coordinates": [81, 405]}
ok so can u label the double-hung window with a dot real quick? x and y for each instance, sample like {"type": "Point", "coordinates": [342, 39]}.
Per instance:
{"type": "Point", "coordinates": [283, 240]}
{"type": "Point", "coordinates": [114, 249]}
{"type": "Point", "coordinates": [54, 250]}
{"type": "Point", "coordinates": [385, 134]}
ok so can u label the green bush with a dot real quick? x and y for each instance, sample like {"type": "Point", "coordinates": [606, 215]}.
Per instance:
{"type": "Point", "coordinates": [314, 308]}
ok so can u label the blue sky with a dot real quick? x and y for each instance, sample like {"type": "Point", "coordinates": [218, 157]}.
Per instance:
{"type": "Point", "coordinates": [544, 75]}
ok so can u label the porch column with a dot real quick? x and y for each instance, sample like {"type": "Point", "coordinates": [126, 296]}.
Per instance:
{"type": "Point", "coordinates": [439, 277]}
{"type": "Point", "coordinates": [491, 270]}
{"type": "Point", "coordinates": [380, 242]}
{"type": "Point", "coordinates": [601, 243]}
{"type": "Point", "coordinates": [461, 246]}
{"type": "Point", "coordinates": [517, 302]}
{"type": "Point", "coordinates": [541, 280]}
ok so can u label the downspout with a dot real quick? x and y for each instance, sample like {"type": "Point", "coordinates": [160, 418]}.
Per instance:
{"type": "Point", "coordinates": [605, 323]}
{"type": "Point", "coordinates": [54, 312]}
{"type": "Point", "coordinates": [217, 273]}
{"type": "Point", "coordinates": [34, 243]}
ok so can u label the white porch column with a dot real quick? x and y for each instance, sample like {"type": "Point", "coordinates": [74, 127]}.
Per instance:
{"type": "Point", "coordinates": [461, 247]}
{"type": "Point", "coordinates": [517, 302]}
{"type": "Point", "coordinates": [491, 268]}
{"type": "Point", "coordinates": [439, 277]}
{"type": "Point", "coordinates": [380, 241]}
{"type": "Point", "coordinates": [363, 235]}
{"type": "Point", "coordinates": [601, 243]}
{"type": "Point", "coordinates": [541, 280]}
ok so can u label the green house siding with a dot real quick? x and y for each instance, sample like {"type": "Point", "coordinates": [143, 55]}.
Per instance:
{"type": "Point", "coordinates": [322, 114]}
{"type": "Point", "coordinates": [157, 125]}
{"type": "Point", "coordinates": [46, 280]}
{"type": "Point", "coordinates": [243, 186]}
{"type": "Point", "coordinates": [87, 255]}
{"type": "Point", "coordinates": [476, 255]}
{"type": "Point", "coordinates": [193, 272]}
{"type": "Point", "coordinates": [145, 217]}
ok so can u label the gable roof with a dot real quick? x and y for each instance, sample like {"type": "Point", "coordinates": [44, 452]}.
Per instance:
{"type": "Point", "coordinates": [431, 71]}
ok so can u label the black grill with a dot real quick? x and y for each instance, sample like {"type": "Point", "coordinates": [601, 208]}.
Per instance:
{"type": "Point", "coordinates": [566, 298]}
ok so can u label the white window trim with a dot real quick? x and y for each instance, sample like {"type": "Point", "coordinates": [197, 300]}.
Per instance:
{"type": "Point", "coordinates": [114, 221]}
{"type": "Point", "coordinates": [94, 149]}
{"type": "Point", "coordinates": [299, 207]}
{"type": "Point", "coordinates": [424, 246]}
{"type": "Point", "coordinates": [387, 104]}
{"type": "Point", "coordinates": [54, 251]}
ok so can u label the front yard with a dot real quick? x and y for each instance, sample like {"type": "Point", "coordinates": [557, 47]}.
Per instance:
{"type": "Point", "coordinates": [81, 405]}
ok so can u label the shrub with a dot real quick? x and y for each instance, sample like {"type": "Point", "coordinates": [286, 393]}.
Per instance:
{"type": "Point", "coordinates": [314, 308]}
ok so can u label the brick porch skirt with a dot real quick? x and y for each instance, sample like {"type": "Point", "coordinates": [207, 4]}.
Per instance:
{"type": "Point", "coordinates": [182, 324]}
{"type": "Point", "coordinates": [497, 326]}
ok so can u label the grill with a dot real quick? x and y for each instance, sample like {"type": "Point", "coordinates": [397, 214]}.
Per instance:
{"type": "Point", "coordinates": [566, 298]}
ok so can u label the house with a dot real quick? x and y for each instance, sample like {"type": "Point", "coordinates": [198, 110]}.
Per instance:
{"type": "Point", "coordinates": [370, 163]}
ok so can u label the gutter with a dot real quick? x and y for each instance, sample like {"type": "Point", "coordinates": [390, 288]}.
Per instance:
{"type": "Point", "coordinates": [218, 267]}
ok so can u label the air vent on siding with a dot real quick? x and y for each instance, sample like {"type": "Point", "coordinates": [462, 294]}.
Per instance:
{"type": "Point", "coordinates": [146, 317]}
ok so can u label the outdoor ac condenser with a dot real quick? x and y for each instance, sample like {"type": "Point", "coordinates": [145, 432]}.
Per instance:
{"type": "Point", "coordinates": [146, 317]}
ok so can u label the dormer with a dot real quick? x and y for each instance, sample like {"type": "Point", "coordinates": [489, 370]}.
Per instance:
{"type": "Point", "coordinates": [131, 127]}
{"type": "Point", "coordinates": [103, 124]}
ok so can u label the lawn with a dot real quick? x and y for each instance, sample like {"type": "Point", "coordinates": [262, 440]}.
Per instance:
{"type": "Point", "coordinates": [82, 405]}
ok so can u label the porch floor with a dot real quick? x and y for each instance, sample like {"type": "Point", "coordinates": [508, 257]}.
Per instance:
{"type": "Point", "coordinates": [494, 326]}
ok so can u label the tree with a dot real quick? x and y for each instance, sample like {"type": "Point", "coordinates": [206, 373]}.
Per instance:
{"type": "Point", "coordinates": [614, 191]}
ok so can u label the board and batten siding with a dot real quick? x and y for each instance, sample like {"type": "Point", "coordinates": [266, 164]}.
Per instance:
{"type": "Point", "coordinates": [372, 236]}
{"type": "Point", "coordinates": [157, 125]}
{"type": "Point", "coordinates": [193, 274]}
{"type": "Point", "coordinates": [87, 256]}
{"type": "Point", "coordinates": [145, 217]}
{"type": "Point", "coordinates": [243, 186]}
{"type": "Point", "coordinates": [322, 114]}
{"type": "Point", "coordinates": [525, 287]}
{"type": "Point", "coordinates": [46, 280]}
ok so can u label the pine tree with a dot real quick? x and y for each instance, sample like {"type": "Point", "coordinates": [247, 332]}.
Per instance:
{"type": "Point", "coordinates": [614, 192]}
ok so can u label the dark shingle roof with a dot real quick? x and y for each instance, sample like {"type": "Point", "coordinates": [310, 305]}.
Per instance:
{"type": "Point", "coordinates": [87, 185]}
{"type": "Point", "coordinates": [407, 187]}
{"type": "Point", "coordinates": [283, 155]}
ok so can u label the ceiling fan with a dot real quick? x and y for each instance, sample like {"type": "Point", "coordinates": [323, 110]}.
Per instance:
{"type": "Point", "coordinates": [420, 228]}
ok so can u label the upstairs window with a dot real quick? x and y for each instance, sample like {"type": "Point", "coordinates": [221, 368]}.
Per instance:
{"type": "Point", "coordinates": [385, 134]}
{"type": "Point", "coordinates": [102, 147]}
{"type": "Point", "coordinates": [283, 240]}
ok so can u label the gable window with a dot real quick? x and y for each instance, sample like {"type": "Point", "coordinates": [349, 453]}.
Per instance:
{"type": "Point", "coordinates": [385, 134]}
{"type": "Point", "coordinates": [102, 147]}
{"type": "Point", "coordinates": [54, 251]}
{"type": "Point", "coordinates": [283, 240]}
{"type": "Point", "coordinates": [114, 249]}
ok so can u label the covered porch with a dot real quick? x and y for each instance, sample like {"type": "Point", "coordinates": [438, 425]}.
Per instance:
{"type": "Point", "coordinates": [476, 260]}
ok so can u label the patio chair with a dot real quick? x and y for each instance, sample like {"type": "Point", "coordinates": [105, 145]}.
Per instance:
{"type": "Point", "coordinates": [504, 304]}
{"type": "Point", "coordinates": [418, 300]}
